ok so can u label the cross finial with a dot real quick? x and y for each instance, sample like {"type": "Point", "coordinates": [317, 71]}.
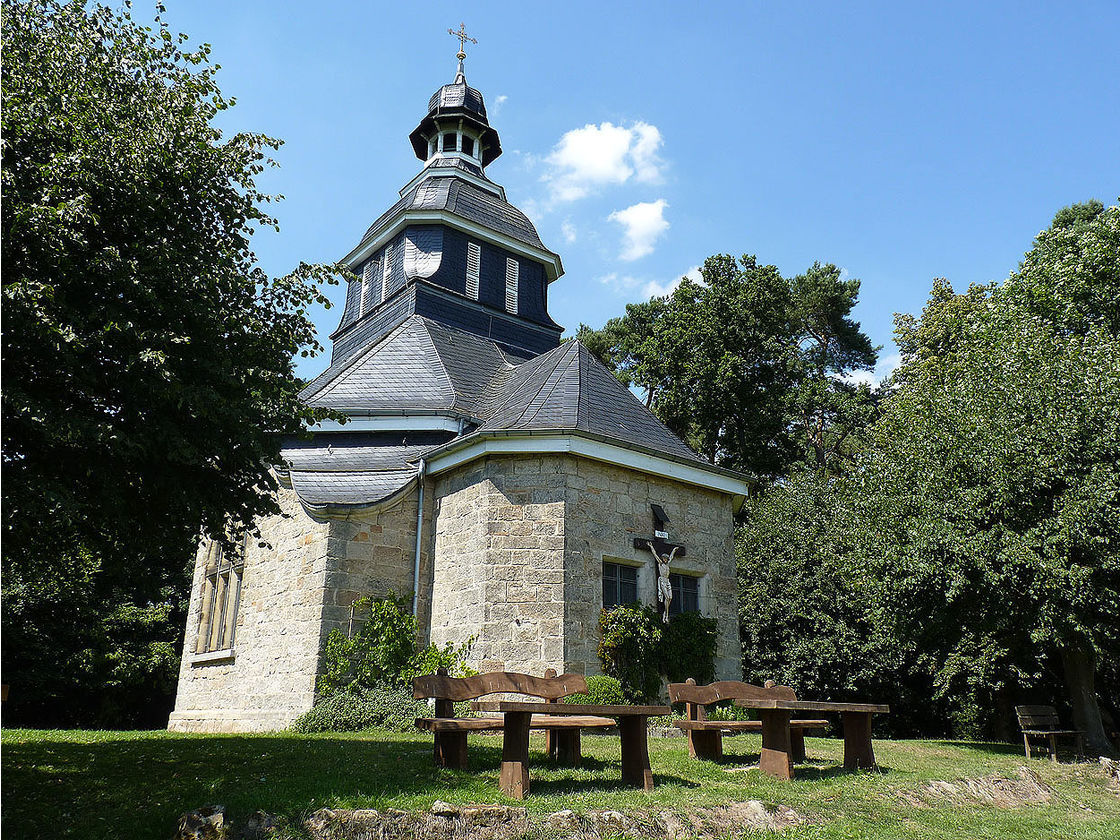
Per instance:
{"type": "Point", "coordinates": [463, 38]}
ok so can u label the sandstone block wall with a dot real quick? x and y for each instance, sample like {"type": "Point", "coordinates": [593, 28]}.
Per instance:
{"type": "Point", "coordinates": [607, 507]}
{"type": "Point", "coordinates": [271, 678]}
{"type": "Point", "coordinates": [518, 550]}
{"type": "Point", "coordinates": [498, 555]}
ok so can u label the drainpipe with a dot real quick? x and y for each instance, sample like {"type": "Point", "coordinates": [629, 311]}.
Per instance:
{"type": "Point", "coordinates": [419, 537]}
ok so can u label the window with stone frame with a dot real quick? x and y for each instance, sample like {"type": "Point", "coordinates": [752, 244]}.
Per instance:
{"type": "Point", "coordinates": [686, 594]}
{"type": "Point", "coordinates": [620, 585]}
{"type": "Point", "coordinates": [221, 597]}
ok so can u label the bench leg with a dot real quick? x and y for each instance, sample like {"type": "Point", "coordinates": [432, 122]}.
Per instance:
{"type": "Point", "coordinates": [797, 745]}
{"type": "Point", "coordinates": [1027, 745]}
{"type": "Point", "coordinates": [514, 778]}
{"type": "Point", "coordinates": [775, 758]}
{"type": "Point", "coordinates": [858, 752]}
{"type": "Point", "coordinates": [705, 744]}
{"type": "Point", "coordinates": [635, 751]}
{"type": "Point", "coordinates": [1054, 748]}
{"type": "Point", "coordinates": [451, 750]}
{"type": "Point", "coordinates": [566, 746]}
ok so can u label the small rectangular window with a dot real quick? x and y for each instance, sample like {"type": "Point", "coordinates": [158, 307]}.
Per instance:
{"type": "Point", "coordinates": [512, 270]}
{"type": "Point", "coordinates": [620, 585]}
{"type": "Point", "coordinates": [474, 261]}
{"type": "Point", "coordinates": [468, 145]}
{"type": "Point", "coordinates": [686, 594]}
{"type": "Point", "coordinates": [221, 598]}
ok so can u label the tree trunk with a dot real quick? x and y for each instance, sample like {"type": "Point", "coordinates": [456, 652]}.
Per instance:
{"type": "Point", "coordinates": [1080, 673]}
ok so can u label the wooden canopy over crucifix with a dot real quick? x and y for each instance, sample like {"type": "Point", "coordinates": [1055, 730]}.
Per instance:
{"type": "Point", "coordinates": [660, 543]}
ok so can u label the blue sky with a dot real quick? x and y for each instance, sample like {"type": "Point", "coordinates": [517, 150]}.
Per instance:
{"type": "Point", "coordinates": [901, 141]}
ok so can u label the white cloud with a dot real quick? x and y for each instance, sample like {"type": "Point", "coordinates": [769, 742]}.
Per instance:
{"type": "Point", "coordinates": [568, 231]}
{"type": "Point", "coordinates": [883, 368]}
{"type": "Point", "coordinates": [595, 156]}
{"type": "Point", "coordinates": [643, 224]}
{"type": "Point", "coordinates": [621, 283]}
{"type": "Point", "coordinates": [496, 107]}
{"type": "Point", "coordinates": [655, 288]}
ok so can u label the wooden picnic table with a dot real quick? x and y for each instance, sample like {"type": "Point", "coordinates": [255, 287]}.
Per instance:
{"type": "Point", "coordinates": [514, 779]}
{"type": "Point", "coordinates": [776, 759]}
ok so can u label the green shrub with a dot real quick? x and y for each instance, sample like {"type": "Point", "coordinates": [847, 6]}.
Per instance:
{"type": "Point", "coordinates": [688, 648]}
{"type": "Point", "coordinates": [628, 649]}
{"type": "Point", "coordinates": [637, 648]}
{"type": "Point", "coordinates": [352, 710]}
{"type": "Point", "coordinates": [384, 651]}
{"type": "Point", "coordinates": [601, 691]}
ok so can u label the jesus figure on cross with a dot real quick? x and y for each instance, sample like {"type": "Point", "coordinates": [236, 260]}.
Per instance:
{"type": "Point", "coordinates": [664, 587]}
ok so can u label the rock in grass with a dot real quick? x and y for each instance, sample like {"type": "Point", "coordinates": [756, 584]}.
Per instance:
{"type": "Point", "coordinates": [206, 823]}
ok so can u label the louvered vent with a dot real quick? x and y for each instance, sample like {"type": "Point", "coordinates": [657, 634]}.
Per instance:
{"type": "Point", "coordinates": [388, 264]}
{"type": "Point", "coordinates": [474, 261]}
{"type": "Point", "coordinates": [369, 277]}
{"type": "Point", "coordinates": [512, 270]}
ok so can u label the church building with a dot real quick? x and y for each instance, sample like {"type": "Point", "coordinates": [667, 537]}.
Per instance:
{"type": "Point", "coordinates": [500, 478]}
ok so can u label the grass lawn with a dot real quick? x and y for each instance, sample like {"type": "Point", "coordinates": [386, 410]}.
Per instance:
{"type": "Point", "coordinates": [136, 784]}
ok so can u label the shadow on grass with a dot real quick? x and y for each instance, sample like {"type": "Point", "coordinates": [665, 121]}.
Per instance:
{"type": "Point", "coordinates": [138, 788]}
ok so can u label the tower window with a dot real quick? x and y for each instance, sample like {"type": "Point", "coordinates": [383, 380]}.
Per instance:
{"type": "Point", "coordinates": [512, 271]}
{"type": "Point", "coordinates": [474, 261]}
{"type": "Point", "coordinates": [449, 142]}
{"type": "Point", "coordinates": [221, 597]}
{"type": "Point", "coordinates": [468, 145]}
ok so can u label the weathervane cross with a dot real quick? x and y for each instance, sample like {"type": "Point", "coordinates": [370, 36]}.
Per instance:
{"type": "Point", "coordinates": [463, 38]}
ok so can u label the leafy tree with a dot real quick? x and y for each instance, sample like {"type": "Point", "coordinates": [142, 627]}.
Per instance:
{"type": "Point", "coordinates": [825, 406]}
{"type": "Point", "coordinates": [147, 358]}
{"type": "Point", "coordinates": [992, 481]}
{"type": "Point", "coordinates": [746, 366]}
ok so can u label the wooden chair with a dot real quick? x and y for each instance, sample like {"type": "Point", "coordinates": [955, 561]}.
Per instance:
{"type": "Point", "coordinates": [450, 732]}
{"type": "Point", "coordinates": [705, 737]}
{"type": "Point", "coordinates": [1043, 722]}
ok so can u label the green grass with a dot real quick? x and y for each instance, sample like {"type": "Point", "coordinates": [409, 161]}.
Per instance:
{"type": "Point", "coordinates": [136, 784]}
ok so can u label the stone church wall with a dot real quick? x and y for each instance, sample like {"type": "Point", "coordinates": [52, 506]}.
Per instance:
{"type": "Point", "coordinates": [270, 679]}
{"type": "Point", "coordinates": [519, 545]}
{"type": "Point", "coordinates": [292, 596]}
{"type": "Point", "coordinates": [607, 507]}
{"type": "Point", "coordinates": [498, 562]}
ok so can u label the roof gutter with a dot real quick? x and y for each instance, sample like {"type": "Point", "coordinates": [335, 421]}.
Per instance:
{"type": "Point", "coordinates": [589, 445]}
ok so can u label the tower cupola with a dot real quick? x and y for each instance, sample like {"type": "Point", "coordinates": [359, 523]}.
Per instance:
{"type": "Point", "coordinates": [456, 124]}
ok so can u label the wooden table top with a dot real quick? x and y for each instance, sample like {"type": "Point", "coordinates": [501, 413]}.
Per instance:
{"type": "Point", "coordinates": [566, 708]}
{"type": "Point", "coordinates": [814, 706]}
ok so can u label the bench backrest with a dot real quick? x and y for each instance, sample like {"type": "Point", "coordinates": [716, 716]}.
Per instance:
{"type": "Point", "coordinates": [447, 690]}
{"type": "Point", "coordinates": [1037, 717]}
{"type": "Point", "coordinates": [696, 697]}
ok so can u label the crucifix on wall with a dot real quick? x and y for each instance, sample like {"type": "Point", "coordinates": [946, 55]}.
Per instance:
{"type": "Point", "coordinates": [664, 552]}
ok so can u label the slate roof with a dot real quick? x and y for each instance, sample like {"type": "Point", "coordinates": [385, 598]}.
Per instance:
{"type": "Point", "coordinates": [465, 200]}
{"type": "Point", "coordinates": [354, 469]}
{"type": "Point", "coordinates": [569, 389]}
{"type": "Point", "coordinates": [425, 366]}
{"type": "Point", "coordinates": [420, 365]}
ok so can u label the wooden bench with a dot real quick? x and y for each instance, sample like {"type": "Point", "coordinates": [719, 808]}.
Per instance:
{"type": "Point", "coordinates": [450, 733]}
{"type": "Point", "coordinates": [705, 737]}
{"type": "Point", "coordinates": [1043, 722]}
